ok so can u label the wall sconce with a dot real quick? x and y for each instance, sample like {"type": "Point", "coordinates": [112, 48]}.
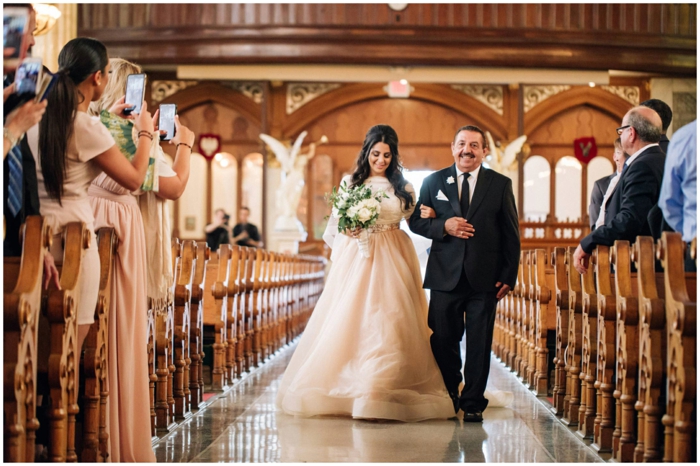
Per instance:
{"type": "Point", "coordinates": [46, 16]}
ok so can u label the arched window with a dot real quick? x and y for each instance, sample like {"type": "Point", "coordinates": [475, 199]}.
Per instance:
{"type": "Point", "coordinates": [568, 189]}
{"type": "Point", "coordinates": [224, 189]}
{"type": "Point", "coordinates": [192, 205]}
{"type": "Point", "coordinates": [252, 188]}
{"type": "Point", "coordinates": [597, 168]}
{"type": "Point", "coordinates": [536, 189]}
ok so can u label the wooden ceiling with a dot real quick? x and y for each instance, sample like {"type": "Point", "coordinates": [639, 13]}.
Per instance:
{"type": "Point", "coordinates": [653, 38]}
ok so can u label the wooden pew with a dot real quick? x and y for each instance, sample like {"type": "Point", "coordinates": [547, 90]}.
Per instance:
{"type": "Point", "coordinates": [152, 376]}
{"type": "Point", "coordinates": [248, 315]}
{"type": "Point", "coordinates": [164, 325]}
{"type": "Point", "coordinates": [22, 285]}
{"type": "Point", "coordinates": [545, 318]}
{"type": "Point", "coordinates": [95, 363]}
{"type": "Point", "coordinates": [589, 355]}
{"type": "Point", "coordinates": [681, 322]}
{"type": "Point", "coordinates": [63, 358]}
{"type": "Point", "coordinates": [512, 322]}
{"type": "Point", "coordinates": [257, 310]}
{"type": "Point", "coordinates": [196, 343]}
{"type": "Point", "coordinates": [627, 353]}
{"type": "Point", "coordinates": [217, 316]}
{"type": "Point", "coordinates": [575, 341]}
{"type": "Point", "coordinates": [240, 309]}
{"type": "Point", "coordinates": [604, 423]}
{"type": "Point", "coordinates": [232, 292]}
{"type": "Point", "coordinates": [652, 354]}
{"type": "Point", "coordinates": [182, 295]}
{"type": "Point", "coordinates": [517, 355]}
{"type": "Point", "coordinates": [528, 371]}
{"type": "Point", "coordinates": [560, 396]}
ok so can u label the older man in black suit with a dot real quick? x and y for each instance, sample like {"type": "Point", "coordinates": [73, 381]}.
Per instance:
{"type": "Point", "coordinates": [638, 189]}
{"type": "Point", "coordinates": [469, 212]}
{"type": "Point", "coordinates": [666, 115]}
{"type": "Point", "coordinates": [601, 186]}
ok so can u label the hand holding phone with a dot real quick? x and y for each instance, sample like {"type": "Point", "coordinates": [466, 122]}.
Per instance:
{"type": "Point", "coordinates": [166, 121]}
{"type": "Point", "coordinates": [135, 93]}
{"type": "Point", "coordinates": [15, 22]}
{"type": "Point", "coordinates": [182, 134]}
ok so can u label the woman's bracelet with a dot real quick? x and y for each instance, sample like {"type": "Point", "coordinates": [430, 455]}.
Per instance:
{"type": "Point", "coordinates": [147, 134]}
{"type": "Point", "coordinates": [183, 144]}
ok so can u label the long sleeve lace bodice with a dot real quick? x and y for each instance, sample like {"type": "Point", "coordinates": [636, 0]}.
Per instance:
{"type": "Point", "coordinates": [392, 209]}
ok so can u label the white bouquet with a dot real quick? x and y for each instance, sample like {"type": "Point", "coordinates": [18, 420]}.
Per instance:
{"type": "Point", "coordinates": [356, 209]}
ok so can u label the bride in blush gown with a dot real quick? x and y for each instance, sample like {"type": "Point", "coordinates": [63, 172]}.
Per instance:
{"type": "Point", "coordinates": [366, 351]}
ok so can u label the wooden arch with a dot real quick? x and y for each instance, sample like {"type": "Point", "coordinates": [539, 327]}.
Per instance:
{"type": "Point", "coordinates": [438, 94]}
{"type": "Point", "coordinates": [602, 100]}
{"type": "Point", "coordinates": [213, 92]}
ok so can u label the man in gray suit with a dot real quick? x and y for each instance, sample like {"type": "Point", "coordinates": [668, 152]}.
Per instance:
{"type": "Point", "coordinates": [600, 187]}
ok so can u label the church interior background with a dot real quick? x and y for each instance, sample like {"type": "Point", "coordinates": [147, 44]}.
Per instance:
{"type": "Point", "coordinates": [562, 75]}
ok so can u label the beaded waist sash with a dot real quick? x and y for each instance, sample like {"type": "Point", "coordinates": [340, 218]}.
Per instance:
{"type": "Point", "coordinates": [383, 228]}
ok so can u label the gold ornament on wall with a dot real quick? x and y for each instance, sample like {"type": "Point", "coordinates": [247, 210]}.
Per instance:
{"type": "Point", "coordinates": [46, 16]}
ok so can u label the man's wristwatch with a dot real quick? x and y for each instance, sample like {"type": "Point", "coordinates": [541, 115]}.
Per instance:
{"type": "Point", "coordinates": [9, 135]}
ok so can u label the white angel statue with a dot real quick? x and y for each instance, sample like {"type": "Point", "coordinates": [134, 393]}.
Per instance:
{"type": "Point", "coordinates": [504, 160]}
{"type": "Point", "coordinates": [292, 180]}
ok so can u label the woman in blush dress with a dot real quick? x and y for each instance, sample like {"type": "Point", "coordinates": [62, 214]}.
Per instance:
{"type": "Point", "coordinates": [117, 207]}
{"type": "Point", "coordinates": [366, 352]}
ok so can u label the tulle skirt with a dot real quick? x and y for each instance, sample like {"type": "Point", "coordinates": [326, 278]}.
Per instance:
{"type": "Point", "coordinates": [366, 351]}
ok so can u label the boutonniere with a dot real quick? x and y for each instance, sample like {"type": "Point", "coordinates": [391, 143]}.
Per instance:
{"type": "Point", "coordinates": [450, 180]}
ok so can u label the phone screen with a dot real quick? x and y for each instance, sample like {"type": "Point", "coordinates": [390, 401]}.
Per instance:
{"type": "Point", "coordinates": [14, 25]}
{"type": "Point", "coordinates": [135, 84]}
{"type": "Point", "coordinates": [27, 77]}
{"type": "Point", "coordinates": [166, 121]}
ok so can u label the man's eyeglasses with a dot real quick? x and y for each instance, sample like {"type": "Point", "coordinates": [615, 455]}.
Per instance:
{"type": "Point", "coordinates": [622, 129]}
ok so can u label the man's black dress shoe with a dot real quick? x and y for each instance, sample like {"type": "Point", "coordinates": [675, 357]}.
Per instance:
{"type": "Point", "coordinates": [473, 417]}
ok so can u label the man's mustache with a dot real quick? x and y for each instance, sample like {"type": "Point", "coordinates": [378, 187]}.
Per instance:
{"type": "Point", "coordinates": [467, 154]}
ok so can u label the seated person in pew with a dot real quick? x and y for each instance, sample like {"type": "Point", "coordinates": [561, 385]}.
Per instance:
{"type": "Point", "coordinates": [678, 199]}
{"type": "Point", "coordinates": [638, 189]}
{"type": "Point", "coordinates": [116, 206]}
{"type": "Point", "coordinates": [218, 230]}
{"type": "Point", "coordinates": [604, 187]}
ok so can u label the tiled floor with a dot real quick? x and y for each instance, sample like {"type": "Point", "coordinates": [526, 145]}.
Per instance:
{"type": "Point", "coordinates": [243, 426]}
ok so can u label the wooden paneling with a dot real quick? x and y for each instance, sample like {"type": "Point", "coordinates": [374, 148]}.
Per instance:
{"type": "Point", "coordinates": [637, 37]}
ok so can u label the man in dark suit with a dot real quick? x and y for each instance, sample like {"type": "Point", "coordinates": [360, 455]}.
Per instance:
{"type": "Point", "coordinates": [473, 222]}
{"type": "Point", "coordinates": [657, 222]}
{"type": "Point", "coordinates": [600, 187]}
{"type": "Point", "coordinates": [638, 189]}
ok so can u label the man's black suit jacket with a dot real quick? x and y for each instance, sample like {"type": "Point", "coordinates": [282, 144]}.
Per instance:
{"type": "Point", "coordinates": [635, 194]}
{"type": "Point", "coordinates": [599, 189]}
{"type": "Point", "coordinates": [492, 254]}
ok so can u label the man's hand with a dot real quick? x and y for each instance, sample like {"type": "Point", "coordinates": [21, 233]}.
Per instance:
{"type": "Point", "coordinates": [50, 272]}
{"type": "Point", "coordinates": [503, 290]}
{"type": "Point", "coordinates": [427, 212]}
{"type": "Point", "coordinates": [26, 116]}
{"type": "Point", "coordinates": [581, 259]}
{"type": "Point", "coordinates": [459, 228]}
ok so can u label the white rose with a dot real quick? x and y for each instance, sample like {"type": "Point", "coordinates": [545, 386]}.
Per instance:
{"type": "Point", "coordinates": [371, 203]}
{"type": "Point", "coordinates": [335, 213]}
{"type": "Point", "coordinates": [341, 204]}
{"type": "Point", "coordinates": [364, 214]}
{"type": "Point", "coordinates": [352, 211]}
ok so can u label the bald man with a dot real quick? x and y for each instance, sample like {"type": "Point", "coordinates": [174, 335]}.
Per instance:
{"type": "Point", "coordinates": [638, 189]}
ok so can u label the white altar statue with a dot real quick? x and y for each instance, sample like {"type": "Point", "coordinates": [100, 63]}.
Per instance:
{"type": "Point", "coordinates": [504, 161]}
{"type": "Point", "coordinates": [292, 181]}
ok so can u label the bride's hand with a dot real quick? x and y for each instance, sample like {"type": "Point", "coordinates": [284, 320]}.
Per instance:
{"type": "Point", "coordinates": [426, 212]}
{"type": "Point", "coordinates": [354, 232]}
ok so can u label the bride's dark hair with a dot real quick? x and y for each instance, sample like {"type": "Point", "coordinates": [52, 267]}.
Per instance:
{"type": "Point", "coordinates": [387, 135]}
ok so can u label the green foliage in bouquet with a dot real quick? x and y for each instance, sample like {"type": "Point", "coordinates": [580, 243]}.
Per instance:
{"type": "Point", "coordinates": [356, 207]}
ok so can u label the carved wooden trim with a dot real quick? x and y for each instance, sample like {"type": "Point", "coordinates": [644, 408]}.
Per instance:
{"type": "Point", "coordinates": [535, 95]}
{"type": "Point", "coordinates": [491, 96]}
{"type": "Point", "coordinates": [614, 106]}
{"type": "Point", "coordinates": [300, 94]}
{"type": "Point", "coordinates": [213, 92]}
{"type": "Point", "coordinates": [438, 94]}
{"type": "Point", "coordinates": [629, 93]}
{"type": "Point", "coordinates": [161, 90]}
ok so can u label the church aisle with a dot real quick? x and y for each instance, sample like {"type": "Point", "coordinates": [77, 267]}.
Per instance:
{"type": "Point", "coordinates": [243, 426]}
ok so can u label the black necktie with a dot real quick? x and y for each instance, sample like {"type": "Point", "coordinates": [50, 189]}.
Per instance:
{"type": "Point", "coordinates": [464, 200]}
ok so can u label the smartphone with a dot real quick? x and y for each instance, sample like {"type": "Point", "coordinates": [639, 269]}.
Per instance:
{"type": "Point", "coordinates": [135, 92]}
{"type": "Point", "coordinates": [15, 21]}
{"type": "Point", "coordinates": [28, 77]}
{"type": "Point", "coordinates": [166, 121]}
